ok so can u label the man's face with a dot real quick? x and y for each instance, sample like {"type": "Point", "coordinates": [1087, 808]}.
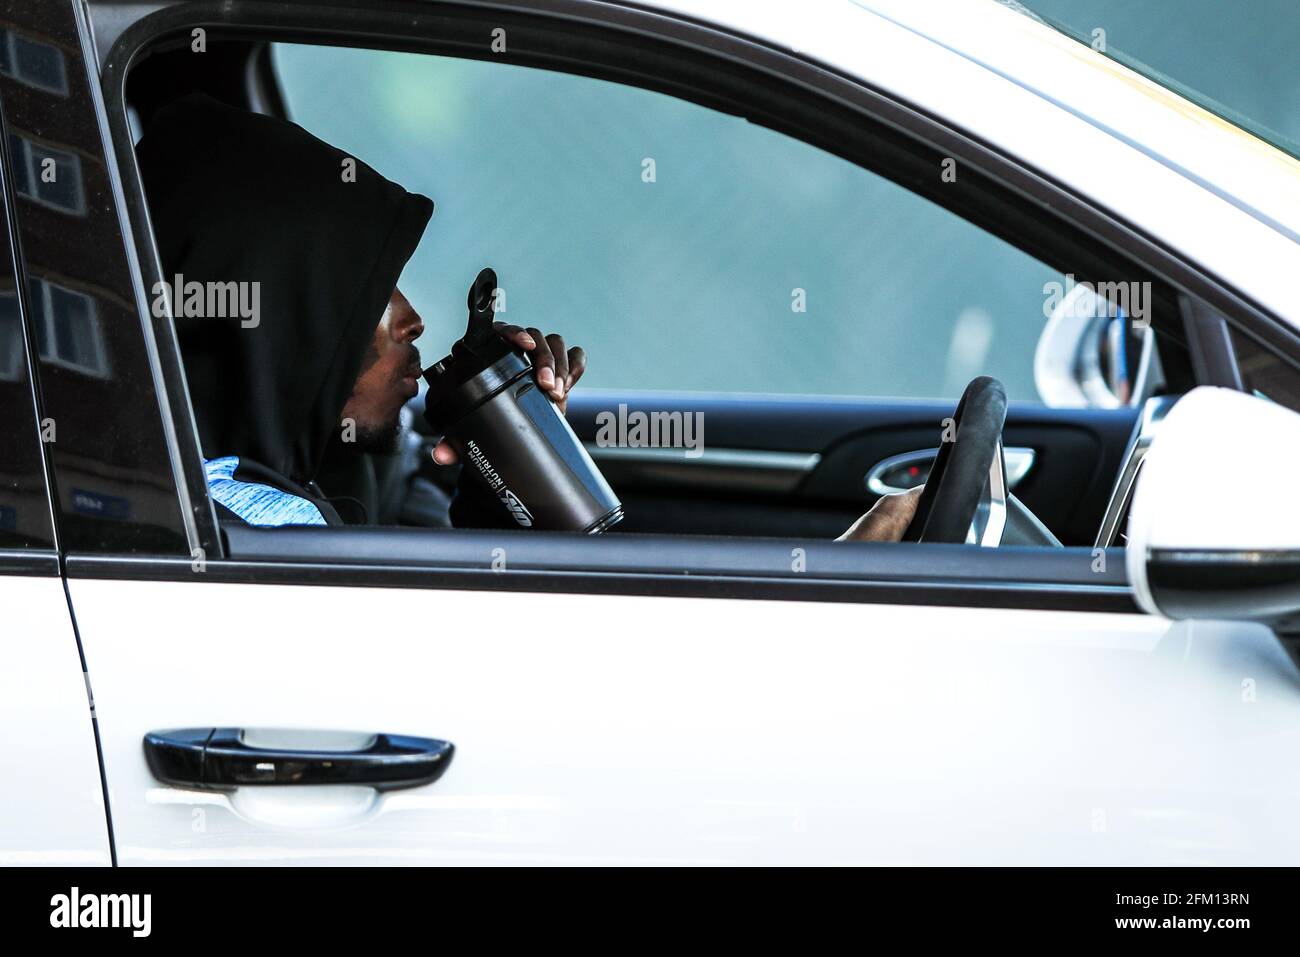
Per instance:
{"type": "Point", "coordinates": [388, 378]}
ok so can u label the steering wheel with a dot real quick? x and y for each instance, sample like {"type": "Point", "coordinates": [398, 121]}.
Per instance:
{"type": "Point", "coordinates": [963, 471]}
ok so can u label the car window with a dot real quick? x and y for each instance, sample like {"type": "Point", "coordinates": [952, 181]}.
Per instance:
{"type": "Point", "coordinates": [684, 248]}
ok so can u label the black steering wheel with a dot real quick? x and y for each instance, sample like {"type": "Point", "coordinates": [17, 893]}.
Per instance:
{"type": "Point", "coordinates": [956, 487]}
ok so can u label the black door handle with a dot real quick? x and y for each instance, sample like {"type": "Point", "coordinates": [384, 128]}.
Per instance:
{"type": "Point", "coordinates": [218, 759]}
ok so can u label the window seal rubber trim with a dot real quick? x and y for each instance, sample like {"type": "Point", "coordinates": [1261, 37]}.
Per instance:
{"type": "Point", "coordinates": [1110, 599]}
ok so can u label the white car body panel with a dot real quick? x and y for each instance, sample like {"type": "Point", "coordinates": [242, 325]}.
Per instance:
{"type": "Point", "coordinates": [1067, 111]}
{"type": "Point", "coordinates": [52, 803]}
{"type": "Point", "coordinates": [640, 730]}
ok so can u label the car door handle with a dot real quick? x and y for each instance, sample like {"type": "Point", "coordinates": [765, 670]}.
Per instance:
{"type": "Point", "coordinates": [898, 473]}
{"type": "Point", "coordinates": [222, 759]}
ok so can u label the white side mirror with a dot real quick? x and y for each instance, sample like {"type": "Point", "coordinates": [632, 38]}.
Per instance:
{"type": "Point", "coordinates": [1083, 356]}
{"type": "Point", "coordinates": [1215, 526]}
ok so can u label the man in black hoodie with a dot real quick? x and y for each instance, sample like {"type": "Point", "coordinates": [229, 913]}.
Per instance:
{"type": "Point", "coordinates": [240, 198]}
{"type": "Point", "coordinates": [321, 239]}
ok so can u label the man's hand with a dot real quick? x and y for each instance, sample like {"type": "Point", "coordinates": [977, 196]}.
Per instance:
{"type": "Point", "coordinates": [558, 370]}
{"type": "Point", "coordinates": [887, 520]}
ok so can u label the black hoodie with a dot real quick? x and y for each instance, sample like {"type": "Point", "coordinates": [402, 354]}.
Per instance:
{"type": "Point", "coordinates": [236, 196]}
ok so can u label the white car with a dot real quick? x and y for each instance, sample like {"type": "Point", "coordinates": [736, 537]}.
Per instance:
{"type": "Point", "coordinates": [1093, 670]}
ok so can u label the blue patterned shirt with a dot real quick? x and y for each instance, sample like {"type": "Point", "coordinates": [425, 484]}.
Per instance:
{"type": "Point", "coordinates": [257, 504]}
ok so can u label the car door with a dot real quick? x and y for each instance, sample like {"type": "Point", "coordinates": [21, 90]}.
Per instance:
{"type": "Point", "coordinates": [52, 810]}
{"type": "Point", "coordinates": [623, 699]}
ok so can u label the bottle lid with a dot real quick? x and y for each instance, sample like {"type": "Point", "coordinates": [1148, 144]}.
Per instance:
{"type": "Point", "coordinates": [480, 365]}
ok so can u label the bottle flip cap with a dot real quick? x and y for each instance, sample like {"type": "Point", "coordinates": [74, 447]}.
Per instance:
{"type": "Point", "coordinates": [481, 362]}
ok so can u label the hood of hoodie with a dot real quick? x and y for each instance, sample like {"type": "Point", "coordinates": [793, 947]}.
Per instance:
{"type": "Point", "coordinates": [240, 197]}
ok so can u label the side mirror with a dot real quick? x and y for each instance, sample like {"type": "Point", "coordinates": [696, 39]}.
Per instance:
{"type": "Point", "coordinates": [1215, 526]}
{"type": "Point", "coordinates": [1090, 354]}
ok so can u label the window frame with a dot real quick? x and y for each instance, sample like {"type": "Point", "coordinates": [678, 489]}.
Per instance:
{"type": "Point", "coordinates": [562, 34]}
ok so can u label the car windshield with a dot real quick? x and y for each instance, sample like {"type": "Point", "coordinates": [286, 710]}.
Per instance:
{"type": "Point", "coordinates": [1238, 63]}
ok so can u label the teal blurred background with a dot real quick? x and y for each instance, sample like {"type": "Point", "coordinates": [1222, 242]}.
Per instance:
{"type": "Point", "coordinates": [686, 283]}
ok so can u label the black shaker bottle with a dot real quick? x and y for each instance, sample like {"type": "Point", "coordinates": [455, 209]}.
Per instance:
{"type": "Point", "coordinates": [485, 399]}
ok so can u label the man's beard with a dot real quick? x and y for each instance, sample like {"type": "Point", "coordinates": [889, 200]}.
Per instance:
{"type": "Point", "coordinates": [379, 440]}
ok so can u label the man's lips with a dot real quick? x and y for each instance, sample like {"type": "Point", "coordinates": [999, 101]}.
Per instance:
{"type": "Point", "coordinates": [411, 382]}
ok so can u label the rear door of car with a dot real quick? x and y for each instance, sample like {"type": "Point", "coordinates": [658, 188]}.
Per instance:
{"type": "Point", "coordinates": [52, 807]}
{"type": "Point", "coordinates": [624, 699]}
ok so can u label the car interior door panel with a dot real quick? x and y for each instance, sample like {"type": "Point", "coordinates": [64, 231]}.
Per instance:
{"type": "Point", "coordinates": [798, 466]}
